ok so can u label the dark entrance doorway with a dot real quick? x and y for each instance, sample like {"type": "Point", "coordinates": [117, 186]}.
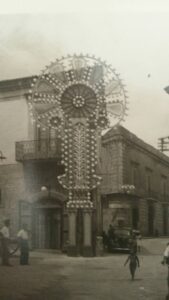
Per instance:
{"type": "Point", "coordinates": [80, 231]}
{"type": "Point", "coordinates": [48, 228]}
{"type": "Point", "coordinates": [165, 219]}
{"type": "Point", "coordinates": [135, 217]}
{"type": "Point", "coordinates": [53, 228]}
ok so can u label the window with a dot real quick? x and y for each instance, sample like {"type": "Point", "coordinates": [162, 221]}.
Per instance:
{"type": "Point", "coordinates": [38, 133]}
{"type": "Point", "coordinates": [52, 139]}
{"type": "Point", "coordinates": [149, 173]}
{"type": "Point", "coordinates": [135, 174]}
{"type": "Point", "coordinates": [164, 187]}
{"type": "Point", "coordinates": [41, 139]}
{"type": "Point", "coordinates": [38, 137]}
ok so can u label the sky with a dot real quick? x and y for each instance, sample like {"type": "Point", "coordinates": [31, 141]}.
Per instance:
{"type": "Point", "coordinates": [132, 36]}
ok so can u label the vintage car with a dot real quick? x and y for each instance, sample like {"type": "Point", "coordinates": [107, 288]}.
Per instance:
{"type": "Point", "coordinates": [122, 240]}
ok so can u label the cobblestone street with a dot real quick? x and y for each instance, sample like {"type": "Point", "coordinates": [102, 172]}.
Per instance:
{"type": "Point", "coordinates": [54, 276]}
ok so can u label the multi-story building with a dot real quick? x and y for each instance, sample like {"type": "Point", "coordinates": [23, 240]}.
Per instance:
{"type": "Point", "coordinates": [135, 189]}
{"type": "Point", "coordinates": [30, 191]}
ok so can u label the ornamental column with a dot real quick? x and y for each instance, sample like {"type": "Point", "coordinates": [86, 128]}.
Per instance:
{"type": "Point", "coordinates": [87, 233]}
{"type": "Point", "coordinates": [72, 249]}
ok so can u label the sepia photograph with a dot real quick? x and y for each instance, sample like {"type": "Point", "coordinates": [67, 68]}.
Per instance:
{"type": "Point", "coordinates": [84, 150]}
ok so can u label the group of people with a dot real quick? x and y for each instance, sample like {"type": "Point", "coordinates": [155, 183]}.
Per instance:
{"type": "Point", "coordinates": [22, 240]}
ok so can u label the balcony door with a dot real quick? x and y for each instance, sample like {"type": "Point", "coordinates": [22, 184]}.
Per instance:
{"type": "Point", "coordinates": [46, 142]}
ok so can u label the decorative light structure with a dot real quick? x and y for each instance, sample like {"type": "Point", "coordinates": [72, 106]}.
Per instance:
{"type": "Point", "coordinates": [128, 188]}
{"type": "Point", "coordinates": [78, 96]}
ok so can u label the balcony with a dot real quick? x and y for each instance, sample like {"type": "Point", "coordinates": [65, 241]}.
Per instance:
{"type": "Point", "coordinates": [38, 150]}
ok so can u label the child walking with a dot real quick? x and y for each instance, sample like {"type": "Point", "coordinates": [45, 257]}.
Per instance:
{"type": "Point", "coordinates": [133, 263]}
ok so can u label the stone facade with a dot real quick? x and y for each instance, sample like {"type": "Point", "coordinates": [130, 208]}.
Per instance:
{"type": "Point", "coordinates": [12, 188]}
{"type": "Point", "coordinates": [127, 160]}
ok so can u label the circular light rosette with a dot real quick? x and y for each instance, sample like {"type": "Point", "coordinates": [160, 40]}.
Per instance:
{"type": "Point", "coordinates": [102, 122]}
{"type": "Point", "coordinates": [78, 101]}
{"type": "Point", "coordinates": [55, 122]}
{"type": "Point", "coordinates": [77, 86]}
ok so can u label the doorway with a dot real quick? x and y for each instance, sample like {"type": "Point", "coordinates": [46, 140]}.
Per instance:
{"type": "Point", "coordinates": [135, 217]}
{"type": "Point", "coordinates": [165, 219]}
{"type": "Point", "coordinates": [48, 228]}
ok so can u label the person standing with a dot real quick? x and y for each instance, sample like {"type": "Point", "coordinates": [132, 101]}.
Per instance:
{"type": "Point", "coordinates": [166, 255]}
{"type": "Point", "coordinates": [165, 261]}
{"type": "Point", "coordinates": [24, 245]}
{"type": "Point", "coordinates": [110, 237]}
{"type": "Point", "coordinates": [5, 239]}
{"type": "Point", "coordinates": [133, 263]}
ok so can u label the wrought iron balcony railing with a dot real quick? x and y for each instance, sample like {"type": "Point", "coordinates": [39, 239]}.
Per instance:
{"type": "Point", "coordinates": [38, 149]}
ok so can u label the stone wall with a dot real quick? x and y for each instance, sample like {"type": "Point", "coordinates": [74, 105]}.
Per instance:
{"type": "Point", "coordinates": [112, 167]}
{"type": "Point", "coordinates": [13, 123]}
{"type": "Point", "coordinates": [159, 218]}
{"type": "Point", "coordinates": [12, 187]}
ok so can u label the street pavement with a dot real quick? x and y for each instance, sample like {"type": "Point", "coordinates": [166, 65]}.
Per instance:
{"type": "Point", "coordinates": [55, 276]}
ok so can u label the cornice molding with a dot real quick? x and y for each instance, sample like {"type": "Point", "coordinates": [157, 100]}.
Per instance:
{"type": "Point", "coordinates": [17, 84]}
{"type": "Point", "coordinates": [123, 135]}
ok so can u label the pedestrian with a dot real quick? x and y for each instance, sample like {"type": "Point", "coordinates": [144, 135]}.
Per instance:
{"type": "Point", "coordinates": [105, 240]}
{"type": "Point", "coordinates": [166, 255]}
{"type": "Point", "coordinates": [111, 233]}
{"type": "Point", "coordinates": [5, 240]}
{"type": "Point", "coordinates": [110, 237]}
{"type": "Point", "coordinates": [133, 263]}
{"type": "Point", "coordinates": [165, 261]}
{"type": "Point", "coordinates": [23, 239]}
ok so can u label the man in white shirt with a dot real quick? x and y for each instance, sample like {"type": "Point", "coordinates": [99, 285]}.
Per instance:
{"type": "Point", "coordinates": [165, 261]}
{"type": "Point", "coordinates": [166, 255]}
{"type": "Point", "coordinates": [5, 239]}
{"type": "Point", "coordinates": [24, 245]}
